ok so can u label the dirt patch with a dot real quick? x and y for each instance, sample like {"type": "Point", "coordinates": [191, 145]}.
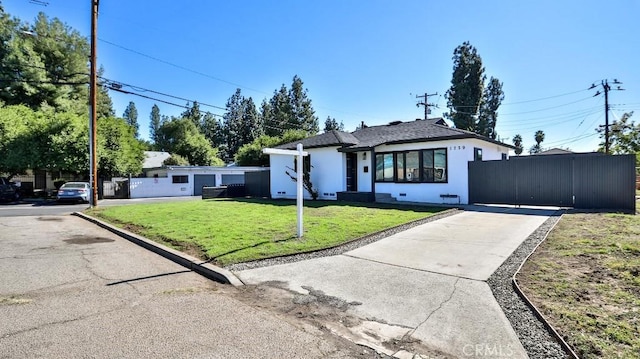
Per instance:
{"type": "Point", "coordinates": [50, 219]}
{"type": "Point", "coordinates": [79, 239]}
{"type": "Point", "coordinates": [584, 279]}
{"type": "Point", "coordinates": [330, 317]}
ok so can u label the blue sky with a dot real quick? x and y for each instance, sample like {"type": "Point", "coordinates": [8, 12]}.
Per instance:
{"type": "Point", "coordinates": [367, 60]}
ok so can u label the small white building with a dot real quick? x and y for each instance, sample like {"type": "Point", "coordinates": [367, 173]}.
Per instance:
{"type": "Point", "coordinates": [417, 161]}
{"type": "Point", "coordinates": [173, 181]}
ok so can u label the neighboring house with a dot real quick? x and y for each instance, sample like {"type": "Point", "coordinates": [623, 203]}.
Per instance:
{"type": "Point", "coordinates": [553, 151]}
{"type": "Point", "coordinates": [154, 159]}
{"type": "Point", "coordinates": [172, 181]}
{"type": "Point", "coordinates": [417, 161]}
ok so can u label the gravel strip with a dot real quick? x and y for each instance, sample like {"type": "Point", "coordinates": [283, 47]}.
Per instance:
{"type": "Point", "coordinates": [343, 248]}
{"type": "Point", "coordinates": [533, 335]}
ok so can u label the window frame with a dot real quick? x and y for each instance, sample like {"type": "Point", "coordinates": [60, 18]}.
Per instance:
{"type": "Point", "coordinates": [401, 177]}
{"type": "Point", "coordinates": [175, 179]}
{"type": "Point", "coordinates": [477, 154]}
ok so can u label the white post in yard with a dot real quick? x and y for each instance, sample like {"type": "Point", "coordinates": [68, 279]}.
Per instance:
{"type": "Point", "coordinates": [300, 195]}
{"type": "Point", "coordinates": [299, 153]}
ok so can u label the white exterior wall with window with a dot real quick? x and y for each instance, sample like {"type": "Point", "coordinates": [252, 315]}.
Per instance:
{"type": "Point", "coordinates": [327, 174]}
{"type": "Point", "coordinates": [452, 180]}
{"type": "Point", "coordinates": [179, 181]}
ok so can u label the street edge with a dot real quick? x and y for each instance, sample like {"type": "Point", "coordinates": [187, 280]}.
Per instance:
{"type": "Point", "coordinates": [208, 270]}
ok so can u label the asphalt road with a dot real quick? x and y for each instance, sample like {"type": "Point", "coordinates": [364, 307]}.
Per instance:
{"type": "Point", "coordinates": [51, 208]}
{"type": "Point", "coordinates": [69, 289]}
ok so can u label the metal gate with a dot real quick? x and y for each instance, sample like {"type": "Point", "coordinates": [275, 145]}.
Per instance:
{"type": "Point", "coordinates": [577, 180]}
{"type": "Point", "coordinates": [200, 181]}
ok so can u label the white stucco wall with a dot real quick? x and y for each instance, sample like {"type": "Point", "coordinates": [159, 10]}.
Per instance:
{"type": "Point", "coordinates": [327, 173]}
{"type": "Point", "coordinates": [459, 153]}
{"type": "Point", "coordinates": [159, 187]}
{"type": "Point", "coordinates": [364, 179]}
{"type": "Point", "coordinates": [163, 186]}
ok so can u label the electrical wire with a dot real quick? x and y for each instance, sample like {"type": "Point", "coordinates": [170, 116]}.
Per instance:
{"type": "Point", "coordinates": [181, 67]}
{"type": "Point", "coordinates": [138, 88]}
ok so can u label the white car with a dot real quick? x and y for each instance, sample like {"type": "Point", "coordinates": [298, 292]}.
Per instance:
{"type": "Point", "coordinates": [74, 191]}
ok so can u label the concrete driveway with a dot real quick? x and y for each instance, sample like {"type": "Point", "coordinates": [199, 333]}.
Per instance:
{"type": "Point", "coordinates": [428, 283]}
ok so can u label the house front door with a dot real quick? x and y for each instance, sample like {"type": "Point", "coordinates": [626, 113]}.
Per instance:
{"type": "Point", "coordinates": [352, 172]}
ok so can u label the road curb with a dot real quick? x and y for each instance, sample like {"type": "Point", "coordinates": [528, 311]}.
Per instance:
{"type": "Point", "coordinates": [208, 270]}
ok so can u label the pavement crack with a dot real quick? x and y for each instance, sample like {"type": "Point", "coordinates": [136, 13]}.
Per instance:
{"type": "Point", "coordinates": [412, 331]}
{"type": "Point", "coordinates": [64, 321]}
{"type": "Point", "coordinates": [88, 265]}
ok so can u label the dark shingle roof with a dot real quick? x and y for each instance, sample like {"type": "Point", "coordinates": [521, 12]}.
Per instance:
{"type": "Point", "coordinates": [327, 139]}
{"type": "Point", "coordinates": [393, 133]}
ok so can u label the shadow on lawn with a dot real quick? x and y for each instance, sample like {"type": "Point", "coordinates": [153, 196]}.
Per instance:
{"type": "Point", "coordinates": [214, 259]}
{"type": "Point", "coordinates": [326, 203]}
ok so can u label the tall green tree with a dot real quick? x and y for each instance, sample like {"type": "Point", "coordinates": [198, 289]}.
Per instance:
{"type": "Point", "coordinates": [154, 123]}
{"type": "Point", "coordinates": [45, 64]}
{"type": "Point", "coordinates": [464, 97]}
{"type": "Point", "coordinates": [193, 113]}
{"type": "Point", "coordinates": [539, 137]}
{"type": "Point", "coordinates": [251, 154]}
{"type": "Point", "coordinates": [50, 140]}
{"type": "Point", "coordinates": [119, 151]}
{"type": "Point", "coordinates": [232, 124]}
{"type": "Point", "coordinates": [491, 100]}
{"type": "Point", "coordinates": [131, 117]}
{"type": "Point", "coordinates": [473, 107]}
{"type": "Point", "coordinates": [242, 124]}
{"type": "Point", "coordinates": [302, 113]}
{"type": "Point", "coordinates": [252, 126]}
{"type": "Point", "coordinates": [624, 136]}
{"type": "Point", "coordinates": [212, 129]}
{"type": "Point", "coordinates": [183, 138]}
{"type": "Point", "coordinates": [279, 119]}
{"type": "Point", "coordinates": [266, 117]}
{"type": "Point", "coordinates": [517, 142]}
{"type": "Point", "coordinates": [331, 124]}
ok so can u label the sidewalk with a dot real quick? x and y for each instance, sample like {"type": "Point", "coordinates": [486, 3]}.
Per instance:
{"type": "Point", "coordinates": [427, 283]}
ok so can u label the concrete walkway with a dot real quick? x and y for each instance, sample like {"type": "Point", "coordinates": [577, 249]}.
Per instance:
{"type": "Point", "coordinates": [427, 283]}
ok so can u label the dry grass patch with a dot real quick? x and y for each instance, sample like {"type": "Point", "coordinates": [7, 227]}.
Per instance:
{"type": "Point", "coordinates": [585, 279]}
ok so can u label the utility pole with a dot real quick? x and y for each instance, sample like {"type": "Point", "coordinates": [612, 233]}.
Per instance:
{"type": "Point", "coordinates": [93, 94]}
{"type": "Point", "coordinates": [606, 88]}
{"type": "Point", "coordinates": [424, 103]}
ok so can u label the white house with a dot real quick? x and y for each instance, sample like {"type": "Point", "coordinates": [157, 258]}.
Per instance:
{"type": "Point", "coordinates": [172, 181]}
{"type": "Point", "coordinates": [417, 161]}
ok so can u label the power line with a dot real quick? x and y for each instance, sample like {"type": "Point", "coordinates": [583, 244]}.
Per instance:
{"type": "Point", "coordinates": [138, 88]}
{"type": "Point", "coordinates": [544, 98]}
{"type": "Point", "coordinates": [181, 67]}
{"type": "Point", "coordinates": [157, 99]}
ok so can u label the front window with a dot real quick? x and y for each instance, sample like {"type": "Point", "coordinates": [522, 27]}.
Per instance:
{"type": "Point", "coordinates": [426, 166]}
{"type": "Point", "coordinates": [384, 167]}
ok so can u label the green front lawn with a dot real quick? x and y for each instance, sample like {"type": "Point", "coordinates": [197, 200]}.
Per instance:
{"type": "Point", "coordinates": [230, 231]}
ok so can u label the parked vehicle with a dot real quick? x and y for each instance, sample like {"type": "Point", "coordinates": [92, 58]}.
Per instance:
{"type": "Point", "coordinates": [74, 192]}
{"type": "Point", "coordinates": [8, 190]}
